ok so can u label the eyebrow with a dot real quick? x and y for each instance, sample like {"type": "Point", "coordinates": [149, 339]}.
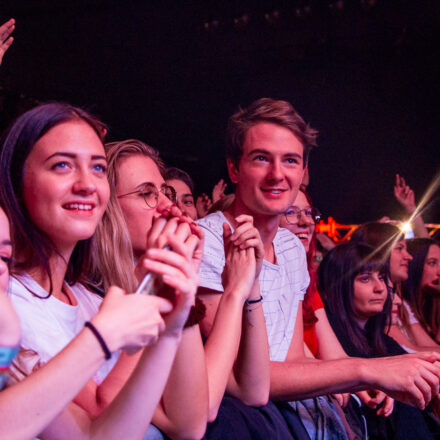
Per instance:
{"type": "Point", "coordinates": [186, 195]}
{"type": "Point", "coordinates": [141, 185]}
{"type": "Point", "coordinates": [6, 243]}
{"type": "Point", "coordinates": [73, 156]}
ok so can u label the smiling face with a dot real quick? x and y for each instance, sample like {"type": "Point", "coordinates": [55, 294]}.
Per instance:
{"type": "Point", "coordinates": [369, 295]}
{"type": "Point", "coordinates": [5, 251]}
{"type": "Point", "coordinates": [65, 187]}
{"type": "Point", "coordinates": [305, 226]}
{"type": "Point", "coordinates": [270, 170]}
{"type": "Point", "coordinates": [185, 199]}
{"type": "Point", "coordinates": [399, 262]}
{"type": "Point", "coordinates": [132, 173]}
{"type": "Point", "coordinates": [431, 270]}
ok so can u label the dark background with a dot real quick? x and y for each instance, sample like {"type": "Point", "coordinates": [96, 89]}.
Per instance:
{"type": "Point", "coordinates": [364, 72]}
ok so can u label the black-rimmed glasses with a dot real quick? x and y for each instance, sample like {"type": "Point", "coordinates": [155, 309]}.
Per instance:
{"type": "Point", "coordinates": [293, 215]}
{"type": "Point", "coordinates": [150, 193]}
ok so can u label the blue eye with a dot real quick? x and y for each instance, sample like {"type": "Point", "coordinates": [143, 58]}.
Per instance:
{"type": "Point", "coordinates": [60, 165]}
{"type": "Point", "coordinates": [291, 160]}
{"type": "Point", "coordinates": [100, 167]}
{"type": "Point", "coordinates": [260, 158]}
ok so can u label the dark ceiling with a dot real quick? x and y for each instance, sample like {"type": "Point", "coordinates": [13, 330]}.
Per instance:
{"type": "Point", "coordinates": [365, 73]}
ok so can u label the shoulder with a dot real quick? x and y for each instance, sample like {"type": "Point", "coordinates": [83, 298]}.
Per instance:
{"type": "Point", "coordinates": [213, 223]}
{"type": "Point", "coordinates": [23, 289]}
{"type": "Point", "coordinates": [85, 296]}
{"type": "Point", "coordinates": [288, 246]}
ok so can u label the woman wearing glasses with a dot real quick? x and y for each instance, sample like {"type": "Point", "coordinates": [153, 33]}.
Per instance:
{"type": "Point", "coordinates": [55, 190]}
{"type": "Point", "coordinates": [319, 337]}
{"type": "Point", "coordinates": [301, 219]}
{"type": "Point", "coordinates": [135, 172]}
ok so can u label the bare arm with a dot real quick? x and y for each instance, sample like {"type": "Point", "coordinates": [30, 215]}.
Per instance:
{"type": "Point", "coordinates": [329, 346]}
{"type": "Point", "coordinates": [412, 379]}
{"type": "Point", "coordinates": [237, 331]}
{"type": "Point", "coordinates": [405, 196]}
{"type": "Point", "coordinates": [6, 40]}
{"type": "Point", "coordinates": [29, 406]}
{"type": "Point", "coordinates": [180, 413]}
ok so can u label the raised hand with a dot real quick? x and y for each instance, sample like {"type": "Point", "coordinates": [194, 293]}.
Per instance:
{"type": "Point", "coordinates": [6, 40]}
{"type": "Point", "coordinates": [127, 321]}
{"type": "Point", "coordinates": [219, 190]}
{"type": "Point", "coordinates": [240, 265]}
{"type": "Point", "coordinates": [203, 204]}
{"type": "Point", "coordinates": [245, 236]}
{"type": "Point", "coordinates": [404, 195]}
{"type": "Point", "coordinates": [177, 266]}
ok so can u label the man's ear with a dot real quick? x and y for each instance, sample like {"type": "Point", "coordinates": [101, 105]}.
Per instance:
{"type": "Point", "coordinates": [232, 170]}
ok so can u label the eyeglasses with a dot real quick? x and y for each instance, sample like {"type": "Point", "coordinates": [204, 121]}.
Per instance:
{"type": "Point", "coordinates": [150, 193]}
{"type": "Point", "coordinates": [293, 215]}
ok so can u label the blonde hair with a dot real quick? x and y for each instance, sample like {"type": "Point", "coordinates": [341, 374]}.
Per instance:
{"type": "Point", "coordinates": [114, 264]}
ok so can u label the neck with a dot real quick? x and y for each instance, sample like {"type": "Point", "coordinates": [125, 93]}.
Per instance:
{"type": "Point", "coordinates": [362, 322]}
{"type": "Point", "coordinates": [267, 225]}
{"type": "Point", "coordinates": [58, 267]}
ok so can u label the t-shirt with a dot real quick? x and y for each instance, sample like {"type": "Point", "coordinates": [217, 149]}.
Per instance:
{"type": "Point", "coordinates": [48, 324]}
{"type": "Point", "coordinates": [282, 285]}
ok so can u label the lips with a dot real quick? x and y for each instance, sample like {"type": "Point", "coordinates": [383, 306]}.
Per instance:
{"type": "Point", "coordinates": [80, 208]}
{"type": "Point", "coordinates": [303, 236]}
{"type": "Point", "coordinates": [273, 190]}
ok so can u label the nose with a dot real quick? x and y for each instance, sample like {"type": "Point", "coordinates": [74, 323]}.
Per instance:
{"type": "Point", "coordinates": [84, 183]}
{"type": "Point", "coordinates": [304, 219]}
{"type": "Point", "coordinates": [379, 285]}
{"type": "Point", "coordinates": [163, 202]}
{"type": "Point", "coordinates": [275, 171]}
{"type": "Point", "coordinates": [407, 255]}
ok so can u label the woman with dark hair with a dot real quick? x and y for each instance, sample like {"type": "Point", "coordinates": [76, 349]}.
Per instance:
{"type": "Point", "coordinates": [355, 282]}
{"type": "Point", "coordinates": [184, 187]}
{"type": "Point", "coordinates": [55, 190]}
{"type": "Point", "coordinates": [422, 288]}
{"type": "Point", "coordinates": [385, 237]}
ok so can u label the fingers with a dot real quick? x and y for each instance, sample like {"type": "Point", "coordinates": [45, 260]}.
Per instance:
{"type": "Point", "coordinates": [227, 233]}
{"type": "Point", "coordinates": [166, 262]}
{"type": "Point", "coordinates": [339, 398]}
{"type": "Point", "coordinates": [425, 391]}
{"type": "Point", "coordinates": [387, 408]}
{"type": "Point", "coordinates": [6, 30]}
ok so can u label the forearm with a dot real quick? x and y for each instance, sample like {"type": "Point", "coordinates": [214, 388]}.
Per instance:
{"type": "Point", "coordinates": [303, 379]}
{"type": "Point", "coordinates": [251, 374]}
{"type": "Point", "coordinates": [419, 227]}
{"type": "Point", "coordinates": [29, 406]}
{"type": "Point", "coordinates": [130, 413]}
{"type": "Point", "coordinates": [221, 347]}
{"type": "Point", "coordinates": [184, 407]}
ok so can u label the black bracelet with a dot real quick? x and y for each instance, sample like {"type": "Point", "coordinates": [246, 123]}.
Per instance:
{"type": "Point", "coordinates": [105, 349]}
{"type": "Point", "coordinates": [253, 301]}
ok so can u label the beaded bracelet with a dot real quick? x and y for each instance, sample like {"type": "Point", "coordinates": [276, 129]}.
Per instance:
{"type": "Point", "coordinates": [98, 336]}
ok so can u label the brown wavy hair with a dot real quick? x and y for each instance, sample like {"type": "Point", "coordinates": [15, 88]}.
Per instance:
{"type": "Point", "coordinates": [267, 110]}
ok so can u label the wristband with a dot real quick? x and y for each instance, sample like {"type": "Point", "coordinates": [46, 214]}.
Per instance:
{"type": "Point", "coordinates": [248, 302]}
{"type": "Point", "coordinates": [7, 355]}
{"type": "Point", "coordinates": [98, 336]}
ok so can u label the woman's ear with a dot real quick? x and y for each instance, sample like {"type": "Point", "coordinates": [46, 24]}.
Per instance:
{"type": "Point", "coordinates": [232, 170]}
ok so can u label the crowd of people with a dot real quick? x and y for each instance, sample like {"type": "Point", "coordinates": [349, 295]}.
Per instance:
{"type": "Point", "coordinates": [131, 310]}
